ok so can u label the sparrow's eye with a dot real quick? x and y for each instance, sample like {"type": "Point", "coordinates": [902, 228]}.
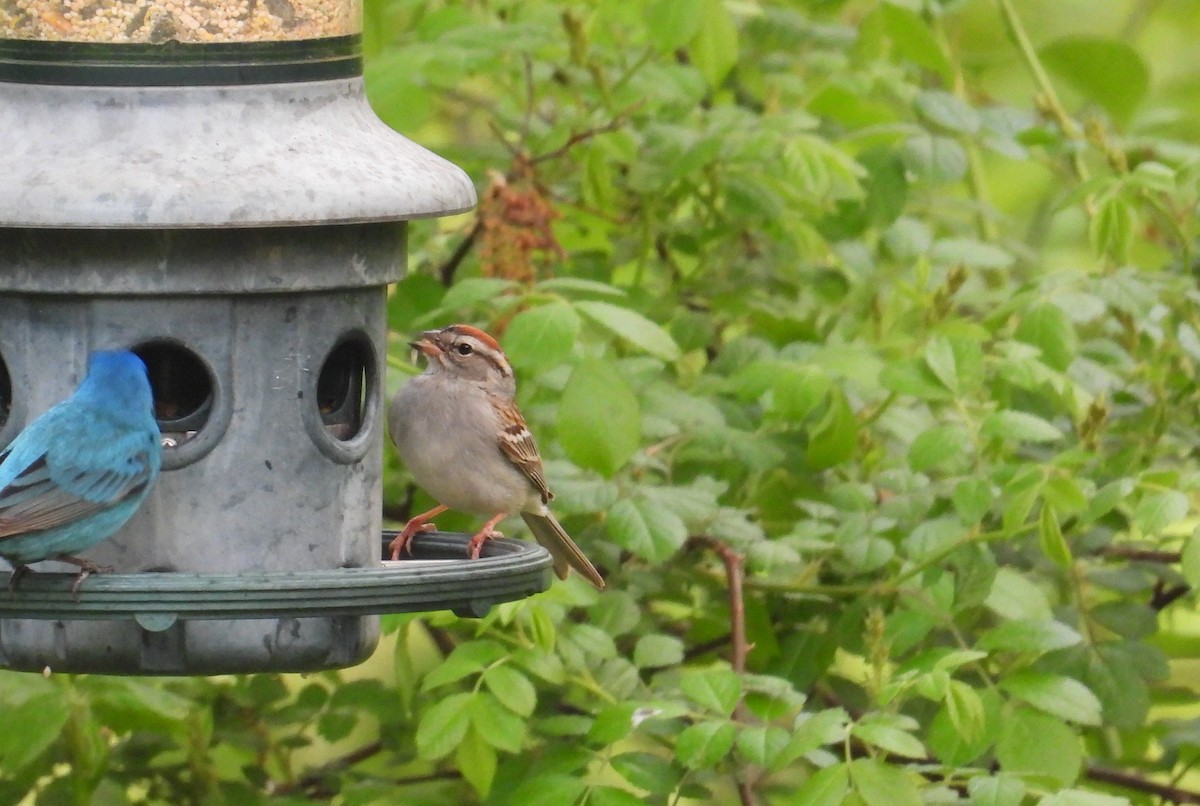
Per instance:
{"type": "Point", "coordinates": [464, 349]}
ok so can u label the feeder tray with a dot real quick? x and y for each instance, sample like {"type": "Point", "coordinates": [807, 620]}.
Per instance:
{"type": "Point", "coordinates": [438, 576]}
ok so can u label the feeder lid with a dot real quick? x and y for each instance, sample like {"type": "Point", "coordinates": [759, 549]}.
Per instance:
{"type": "Point", "coordinates": [257, 155]}
{"type": "Point", "coordinates": [438, 576]}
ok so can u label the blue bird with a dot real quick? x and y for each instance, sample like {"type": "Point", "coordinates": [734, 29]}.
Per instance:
{"type": "Point", "coordinates": [79, 471]}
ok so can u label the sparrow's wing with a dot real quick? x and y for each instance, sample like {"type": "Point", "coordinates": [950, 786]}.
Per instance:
{"type": "Point", "coordinates": [65, 473]}
{"type": "Point", "coordinates": [518, 445]}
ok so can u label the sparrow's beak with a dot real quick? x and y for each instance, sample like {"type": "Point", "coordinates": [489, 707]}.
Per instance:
{"type": "Point", "coordinates": [426, 343]}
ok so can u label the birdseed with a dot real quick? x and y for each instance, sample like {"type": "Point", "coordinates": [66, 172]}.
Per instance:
{"type": "Point", "coordinates": [144, 21]}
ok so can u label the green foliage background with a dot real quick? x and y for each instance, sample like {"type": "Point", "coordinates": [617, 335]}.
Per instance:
{"type": "Point", "coordinates": [893, 301]}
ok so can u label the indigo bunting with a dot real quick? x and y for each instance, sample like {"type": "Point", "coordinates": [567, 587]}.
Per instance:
{"type": "Point", "coordinates": [79, 471]}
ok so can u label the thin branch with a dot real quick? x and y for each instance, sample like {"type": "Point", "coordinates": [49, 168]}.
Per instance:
{"type": "Point", "coordinates": [587, 134]}
{"type": "Point", "coordinates": [734, 573]}
{"type": "Point", "coordinates": [447, 270]}
{"type": "Point", "coordinates": [1141, 555]}
{"type": "Point", "coordinates": [1137, 783]}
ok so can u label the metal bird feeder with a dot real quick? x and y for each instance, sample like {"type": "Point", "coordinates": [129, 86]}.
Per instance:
{"type": "Point", "coordinates": [204, 182]}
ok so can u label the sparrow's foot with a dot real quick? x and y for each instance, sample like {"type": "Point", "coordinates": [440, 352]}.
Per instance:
{"type": "Point", "coordinates": [19, 572]}
{"type": "Point", "coordinates": [475, 545]}
{"type": "Point", "coordinates": [86, 569]}
{"type": "Point", "coordinates": [403, 541]}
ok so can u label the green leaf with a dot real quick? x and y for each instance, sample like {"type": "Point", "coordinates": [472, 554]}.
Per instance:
{"type": "Point", "coordinates": [705, 744]}
{"type": "Point", "coordinates": [996, 790]}
{"type": "Point", "coordinates": [1033, 743]}
{"type": "Point", "coordinates": [827, 787]}
{"type": "Point", "coordinates": [1059, 696]}
{"type": "Point", "coordinates": [599, 421]}
{"type": "Point", "coordinates": [632, 327]}
{"type": "Point", "coordinates": [970, 252]}
{"type": "Point", "coordinates": [939, 357]}
{"type": "Point", "coordinates": [938, 446]}
{"type": "Point", "coordinates": [1158, 510]}
{"type": "Point", "coordinates": [717, 690]}
{"type": "Point", "coordinates": [541, 337]}
{"type": "Point", "coordinates": [1020, 426]}
{"type": "Point", "coordinates": [834, 437]}
{"type": "Point", "coordinates": [1032, 636]}
{"type": "Point", "coordinates": [1047, 327]}
{"type": "Point", "coordinates": [476, 760]}
{"type": "Point", "coordinates": [890, 738]}
{"type": "Point", "coordinates": [1054, 544]}
{"type": "Point", "coordinates": [914, 40]}
{"type": "Point", "coordinates": [797, 391]}
{"type": "Point", "coordinates": [947, 111]}
{"type": "Point", "coordinates": [762, 744]}
{"type": "Point", "coordinates": [472, 291]}
{"type": "Point", "coordinates": [714, 50]}
{"type": "Point", "coordinates": [934, 160]}
{"type": "Point", "coordinates": [654, 651]}
{"type": "Point", "coordinates": [651, 532]}
{"type": "Point", "coordinates": [972, 499]}
{"type": "Point", "coordinates": [1190, 561]}
{"type": "Point", "coordinates": [966, 711]}
{"type": "Point", "coordinates": [466, 659]}
{"type": "Point", "coordinates": [880, 784]}
{"type": "Point", "coordinates": [1105, 71]}
{"type": "Point", "coordinates": [646, 771]}
{"type": "Point", "coordinates": [1013, 596]}
{"type": "Point", "coordinates": [497, 725]}
{"type": "Point", "coordinates": [443, 726]}
{"type": "Point", "coordinates": [33, 726]}
{"type": "Point", "coordinates": [609, 796]}
{"type": "Point", "coordinates": [1111, 228]}
{"type": "Point", "coordinates": [671, 24]}
{"type": "Point", "coordinates": [814, 730]}
{"type": "Point", "coordinates": [511, 688]}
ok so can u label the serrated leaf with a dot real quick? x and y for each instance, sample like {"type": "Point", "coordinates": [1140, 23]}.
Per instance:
{"type": "Point", "coordinates": [646, 771]}
{"type": "Point", "coordinates": [947, 111]}
{"type": "Point", "coordinates": [465, 659]}
{"type": "Point", "coordinates": [655, 651]}
{"type": "Point", "coordinates": [762, 744]}
{"type": "Point", "coordinates": [443, 726]}
{"type": "Point", "coordinates": [632, 327]}
{"type": "Point", "coordinates": [717, 690]}
{"type": "Point", "coordinates": [541, 337]}
{"type": "Point", "coordinates": [511, 688]}
{"type": "Point", "coordinates": [1057, 695]}
{"type": "Point", "coordinates": [651, 532]}
{"type": "Point", "coordinates": [1026, 635]}
{"type": "Point", "coordinates": [1047, 327]}
{"type": "Point", "coordinates": [833, 438]}
{"type": "Point", "coordinates": [476, 760]}
{"type": "Point", "coordinates": [1020, 426]}
{"type": "Point", "coordinates": [937, 446]}
{"type": "Point", "coordinates": [599, 420]}
{"type": "Point", "coordinates": [497, 725]}
{"type": "Point", "coordinates": [1158, 510]}
{"type": "Point", "coordinates": [890, 738]}
{"type": "Point", "coordinates": [880, 784]}
{"type": "Point", "coordinates": [827, 787]}
{"type": "Point", "coordinates": [1038, 744]}
{"type": "Point", "coordinates": [705, 744]}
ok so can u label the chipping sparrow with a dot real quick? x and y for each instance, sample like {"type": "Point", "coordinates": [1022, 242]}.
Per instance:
{"type": "Point", "coordinates": [461, 435]}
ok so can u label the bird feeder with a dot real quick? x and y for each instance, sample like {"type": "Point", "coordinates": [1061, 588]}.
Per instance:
{"type": "Point", "coordinates": [203, 181]}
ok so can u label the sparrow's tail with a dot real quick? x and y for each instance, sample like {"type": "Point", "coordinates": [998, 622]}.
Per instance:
{"type": "Point", "coordinates": [562, 548]}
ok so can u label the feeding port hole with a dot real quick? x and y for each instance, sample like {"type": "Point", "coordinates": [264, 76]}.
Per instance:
{"type": "Point", "coordinates": [183, 389]}
{"type": "Point", "coordinates": [344, 387]}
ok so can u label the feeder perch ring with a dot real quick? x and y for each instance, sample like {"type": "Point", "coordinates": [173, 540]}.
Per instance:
{"type": "Point", "coordinates": [438, 576]}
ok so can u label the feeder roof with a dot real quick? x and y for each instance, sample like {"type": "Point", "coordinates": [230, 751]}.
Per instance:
{"type": "Point", "coordinates": [259, 155]}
